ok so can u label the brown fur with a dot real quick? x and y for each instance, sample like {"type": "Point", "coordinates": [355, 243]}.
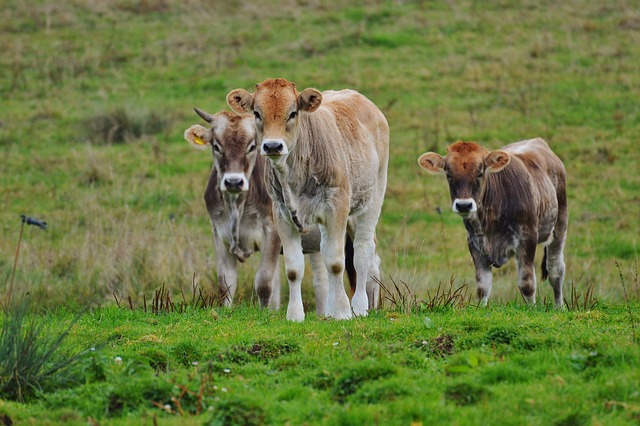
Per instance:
{"type": "Point", "coordinates": [520, 195]}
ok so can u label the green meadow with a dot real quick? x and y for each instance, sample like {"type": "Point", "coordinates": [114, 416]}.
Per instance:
{"type": "Point", "coordinates": [94, 99]}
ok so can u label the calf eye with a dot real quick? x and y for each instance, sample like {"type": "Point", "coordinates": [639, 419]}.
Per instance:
{"type": "Point", "coordinates": [252, 147]}
{"type": "Point", "coordinates": [256, 114]}
{"type": "Point", "coordinates": [217, 149]}
{"type": "Point", "coordinates": [293, 115]}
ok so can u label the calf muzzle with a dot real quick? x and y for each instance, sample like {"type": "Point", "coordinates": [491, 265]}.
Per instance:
{"type": "Point", "coordinates": [464, 206]}
{"type": "Point", "coordinates": [273, 147]}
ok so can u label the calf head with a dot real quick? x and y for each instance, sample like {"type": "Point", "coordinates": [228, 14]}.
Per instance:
{"type": "Point", "coordinates": [465, 166]}
{"type": "Point", "coordinates": [232, 140]}
{"type": "Point", "coordinates": [275, 105]}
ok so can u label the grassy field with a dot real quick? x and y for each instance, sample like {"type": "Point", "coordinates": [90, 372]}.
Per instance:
{"type": "Point", "coordinates": [95, 96]}
{"type": "Point", "coordinates": [507, 365]}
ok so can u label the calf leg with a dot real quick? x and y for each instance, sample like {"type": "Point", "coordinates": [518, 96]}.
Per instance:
{"type": "Point", "coordinates": [364, 247]}
{"type": "Point", "coordinates": [269, 261]}
{"type": "Point", "coordinates": [525, 257]}
{"type": "Point", "coordinates": [227, 271]}
{"type": "Point", "coordinates": [484, 275]}
{"type": "Point", "coordinates": [320, 282]}
{"type": "Point", "coordinates": [294, 265]}
{"type": "Point", "coordinates": [555, 263]}
{"type": "Point", "coordinates": [373, 276]}
{"type": "Point", "coordinates": [274, 302]}
{"type": "Point", "coordinates": [555, 251]}
{"type": "Point", "coordinates": [332, 249]}
{"type": "Point", "coordinates": [373, 285]}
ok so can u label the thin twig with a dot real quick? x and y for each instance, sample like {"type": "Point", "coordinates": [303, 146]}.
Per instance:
{"type": "Point", "coordinates": [15, 265]}
{"type": "Point", "coordinates": [626, 299]}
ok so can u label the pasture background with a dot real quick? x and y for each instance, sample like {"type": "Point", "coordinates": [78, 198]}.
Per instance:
{"type": "Point", "coordinates": [95, 96]}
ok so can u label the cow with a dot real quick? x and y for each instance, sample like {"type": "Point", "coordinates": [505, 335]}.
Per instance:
{"type": "Point", "coordinates": [510, 201]}
{"type": "Point", "coordinates": [240, 210]}
{"type": "Point", "coordinates": [328, 155]}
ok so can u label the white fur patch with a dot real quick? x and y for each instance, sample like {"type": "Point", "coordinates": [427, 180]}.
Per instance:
{"type": "Point", "coordinates": [249, 126]}
{"type": "Point", "coordinates": [484, 281]}
{"type": "Point", "coordinates": [220, 125]}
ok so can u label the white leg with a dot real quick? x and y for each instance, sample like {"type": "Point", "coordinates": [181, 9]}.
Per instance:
{"type": "Point", "coordinates": [373, 286]}
{"type": "Point", "coordinates": [332, 249]}
{"type": "Point", "coordinates": [320, 282]}
{"type": "Point", "coordinates": [484, 275]}
{"type": "Point", "coordinates": [294, 265]}
{"type": "Point", "coordinates": [364, 247]}
{"type": "Point", "coordinates": [484, 280]}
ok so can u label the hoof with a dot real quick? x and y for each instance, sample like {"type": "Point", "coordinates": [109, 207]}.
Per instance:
{"type": "Point", "coordinates": [360, 312]}
{"type": "Point", "coordinates": [295, 313]}
{"type": "Point", "coordinates": [360, 304]}
{"type": "Point", "coordinates": [340, 315]}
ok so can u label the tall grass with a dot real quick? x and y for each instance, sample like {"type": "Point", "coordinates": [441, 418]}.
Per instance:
{"type": "Point", "coordinates": [31, 358]}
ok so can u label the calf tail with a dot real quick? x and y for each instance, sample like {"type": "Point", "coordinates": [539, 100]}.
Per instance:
{"type": "Point", "coordinates": [349, 265]}
{"type": "Point", "coordinates": [545, 272]}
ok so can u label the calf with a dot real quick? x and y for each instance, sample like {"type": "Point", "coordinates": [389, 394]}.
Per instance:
{"type": "Point", "coordinates": [328, 157]}
{"type": "Point", "coordinates": [510, 200]}
{"type": "Point", "coordinates": [240, 210]}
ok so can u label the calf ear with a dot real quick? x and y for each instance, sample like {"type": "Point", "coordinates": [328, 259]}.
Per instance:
{"type": "Point", "coordinates": [309, 100]}
{"type": "Point", "coordinates": [432, 162]}
{"type": "Point", "coordinates": [496, 161]}
{"type": "Point", "coordinates": [199, 137]}
{"type": "Point", "coordinates": [240, 101]}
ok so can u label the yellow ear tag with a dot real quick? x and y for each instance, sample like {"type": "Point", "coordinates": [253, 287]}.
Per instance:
{"type": "Point", "coordinates": [198, 140]}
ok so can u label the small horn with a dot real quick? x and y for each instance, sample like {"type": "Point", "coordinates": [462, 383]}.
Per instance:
{"type": "Point", "coordinates": [205, 115]}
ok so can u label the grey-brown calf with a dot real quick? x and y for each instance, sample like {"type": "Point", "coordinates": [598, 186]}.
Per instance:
{"type": "Point", "coordinates": [240, 210]}
{"type": "Point", "coordinates": [510, 200]}
{"type": "Point", "coordinates": [238, 204]}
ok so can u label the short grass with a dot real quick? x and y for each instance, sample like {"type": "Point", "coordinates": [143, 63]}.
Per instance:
{"type": "Point", "coordinates": [505, 364]}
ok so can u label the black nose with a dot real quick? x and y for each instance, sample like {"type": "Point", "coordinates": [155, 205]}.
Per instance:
{"type": "Point", "coordinates": [233, 183]}
{"type": "Point", "coordinates": [272, 147]}
{"type": "Point", "coordinates": [463, 206]}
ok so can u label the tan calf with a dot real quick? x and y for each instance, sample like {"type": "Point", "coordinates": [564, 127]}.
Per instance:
{"type": "Point", "coordinates": [328, 157]}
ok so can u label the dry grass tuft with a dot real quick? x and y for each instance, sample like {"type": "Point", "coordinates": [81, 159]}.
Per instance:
{"type": "Point", "coordinates": [579, 300]}
{"type": "Point", "coordinates": [120, 126]}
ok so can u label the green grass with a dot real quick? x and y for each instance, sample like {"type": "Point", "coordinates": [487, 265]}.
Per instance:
{"type": "Point", "coordinates": [126, 214]}
{"type": "Point", "coordinates": [494, 73]}
{"type": "Point", "coordinates": [504, 364]}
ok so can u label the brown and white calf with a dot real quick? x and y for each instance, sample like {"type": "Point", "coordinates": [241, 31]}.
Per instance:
{"type": "Point", "coordinates": [240, 210]}
{"type": "Point", "coordinates": [510, 200]}
{"type": "Point", "coordinates": [328, 157]}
